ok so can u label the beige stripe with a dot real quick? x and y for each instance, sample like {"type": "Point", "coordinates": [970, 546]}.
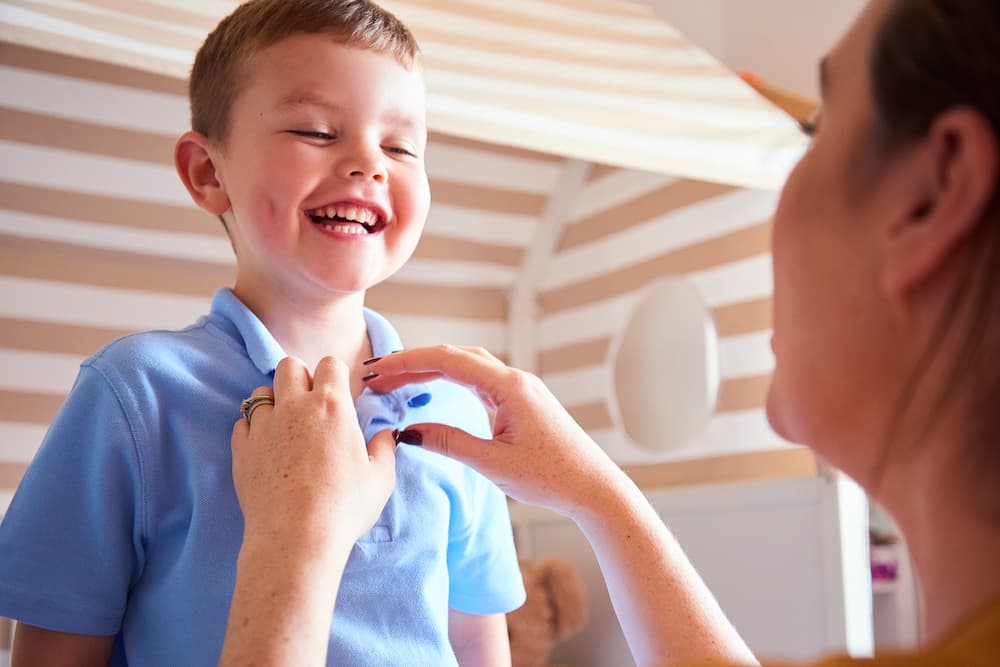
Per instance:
{"type": "Point", "coordinates": [571, 357]}
{"type": "Point", "coordinates": [159, 12]}
{"type": "Point", "coordinates": [489, 199]}
{"type": "Point", "coordinates": [108, 210]}
{"type": "Point", "coordinates": [436, 139]}
{"type": "Point", "coordinates": [75, 67]}
{"type": "Point", "coordinates": [629, 9]}
{"type": "Point", "coordinates": [708, 254]}
{"type": "Point", "coordinates": [731, 320]}
{"type": "Point", "coordinates": [745, 317]}
{"type": "Point", "coordinates": [451, 249]}
{"type": "Point", "coordinates": [592, 416]}
{"type": "Point", "coordinates": [671, 197]}
{"type": "Point", "coordinates": [743, 394]}
{"type": "Point", "coordinates": [734, 395]}
{"type": "Point", "coordinates": [65, 262]}
{"type": "Point", "coordinates": [476, 303]}
{"type": "Point", "coordinates": [28, 407]}
{"type": "Point", "coordinates": [723, 97]}
{"type": "Point", "coordinates": [778, 463]}
{"type": "Point", "coordinates": [484, 45]}
{"type": "Point", "coordinates": [83, 137]}
{"type": "Point", "coordinates": [114, 25]}
{"type": "Point", "coordinates": [11, 474]}
{"type": "Point", "coordinates": [649, 121]}
{"type": "Point", "coordinates": [85, 265]}
{"type": "Point", "coordinates": [56, 338]}
{"type": "Point", "coordinates": [510, 16]}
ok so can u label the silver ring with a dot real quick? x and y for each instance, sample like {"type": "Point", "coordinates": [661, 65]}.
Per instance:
{"type": "Point", "coordinates": [250, 404]}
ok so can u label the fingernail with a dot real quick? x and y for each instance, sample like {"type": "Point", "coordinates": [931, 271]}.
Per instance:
{"type": "Point", "coordinates": [408, 437]}
{"type": "Point", "coordinates": [395, 351]}
{"type": "Point", "coordinates": [370, 376]}
{"type": "Point", "coordinates": [370, 361]}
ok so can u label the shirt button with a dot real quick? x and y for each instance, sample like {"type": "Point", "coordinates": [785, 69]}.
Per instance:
{"type": "Point", "coordinates": [419, 401]}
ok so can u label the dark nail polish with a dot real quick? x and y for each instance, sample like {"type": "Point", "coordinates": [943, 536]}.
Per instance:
{"type": "Point", "coordinates": [370, 361]}
{"type": "Point", "coordinates": [370, 376]}
{"type": "Point", "coordinates": [409, 437]}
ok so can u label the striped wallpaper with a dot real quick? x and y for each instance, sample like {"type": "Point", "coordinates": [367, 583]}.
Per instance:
{"type": "Point", "coordinates": [627, 229]}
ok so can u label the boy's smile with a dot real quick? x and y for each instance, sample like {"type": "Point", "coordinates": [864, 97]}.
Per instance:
{"type": "Point", "coordinates": [323, 170]}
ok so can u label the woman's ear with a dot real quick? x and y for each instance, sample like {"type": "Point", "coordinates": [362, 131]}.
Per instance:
{"type": "Point", "coordinates": [194, 162]}
{"type": "Point", "coordinates": [952, 183]}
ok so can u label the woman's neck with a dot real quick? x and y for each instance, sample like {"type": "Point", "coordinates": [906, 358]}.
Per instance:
{"type": "Point", "coordinates": [953, 539]}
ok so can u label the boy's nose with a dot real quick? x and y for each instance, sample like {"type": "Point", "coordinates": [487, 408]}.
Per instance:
{"type": "Point", "coordinates": [362, 165]}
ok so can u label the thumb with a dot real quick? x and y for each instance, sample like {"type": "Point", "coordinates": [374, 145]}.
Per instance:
{"type": "Point", "coordinates": [452, 442]}
{"type": "Point", "coordinates": [382, 451]}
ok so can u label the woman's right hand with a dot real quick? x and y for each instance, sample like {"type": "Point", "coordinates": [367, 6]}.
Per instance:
{"type": "Point", "coordinates": [538, 454]}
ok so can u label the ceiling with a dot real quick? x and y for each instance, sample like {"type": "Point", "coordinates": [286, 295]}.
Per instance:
{"type": "Point", "coordinates": [595, 80]}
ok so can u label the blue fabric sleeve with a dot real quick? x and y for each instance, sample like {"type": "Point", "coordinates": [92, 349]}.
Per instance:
{"type": "Point", "coordinates": [71, 541]}
{"type": "Point", "coordinates": [482, 564]}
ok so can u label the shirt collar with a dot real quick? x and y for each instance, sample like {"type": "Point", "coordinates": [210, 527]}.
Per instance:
{"type": "Point", "coordinates": [265, 352]}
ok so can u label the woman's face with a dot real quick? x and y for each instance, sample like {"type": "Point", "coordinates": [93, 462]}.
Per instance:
{"type": "Point", "coordinates": [832, 335]}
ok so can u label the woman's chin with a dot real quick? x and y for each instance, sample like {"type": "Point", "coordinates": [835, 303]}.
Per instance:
{"type": "Point", "coordinates": [779, 417]}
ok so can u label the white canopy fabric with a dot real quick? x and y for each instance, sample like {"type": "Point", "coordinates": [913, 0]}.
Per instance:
{"type": "Point", "coordinates": [595, 80]}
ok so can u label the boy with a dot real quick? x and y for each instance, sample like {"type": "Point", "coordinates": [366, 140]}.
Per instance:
{"type": "Point", "coordinates": [308, 143]}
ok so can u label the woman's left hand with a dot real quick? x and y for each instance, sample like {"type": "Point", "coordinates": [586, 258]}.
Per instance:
{"type": "Point", "coordinates": [301, 468]}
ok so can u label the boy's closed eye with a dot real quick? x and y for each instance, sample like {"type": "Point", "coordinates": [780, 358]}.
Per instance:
{"type": "Point", "coordinates": [327, 137]}
{"type": "Point", "coordinates": [318, 135]}
{"type": "Point", "coordinates": [399, 150]}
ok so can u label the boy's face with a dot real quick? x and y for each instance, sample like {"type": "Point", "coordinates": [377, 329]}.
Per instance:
{"type": "Point", "coordinates": [323, 170]}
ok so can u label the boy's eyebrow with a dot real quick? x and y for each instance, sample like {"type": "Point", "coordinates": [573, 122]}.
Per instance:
{"type": "Point", "coordinates": [305, 99]}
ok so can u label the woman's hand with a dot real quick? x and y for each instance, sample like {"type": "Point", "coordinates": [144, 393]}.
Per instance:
{"type": "Point", "coordinates": [538, 454]}
{"type": "Point", "coordinates": [308, 488]}
{"type": "Point", "coordinates": [301, 468]}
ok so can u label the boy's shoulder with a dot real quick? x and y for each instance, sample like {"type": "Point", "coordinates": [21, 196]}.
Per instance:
{"type": "Point", "coordinates": [163, 350]}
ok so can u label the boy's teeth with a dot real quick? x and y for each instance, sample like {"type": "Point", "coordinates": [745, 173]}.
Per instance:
{"type": "Point", "coordinates": [362, 215]}
{"type": "Point", "coordinates": [346, 229]}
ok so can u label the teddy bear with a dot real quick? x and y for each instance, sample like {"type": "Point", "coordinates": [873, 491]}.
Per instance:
{"type": "Point", "coordinates": [556, 607]}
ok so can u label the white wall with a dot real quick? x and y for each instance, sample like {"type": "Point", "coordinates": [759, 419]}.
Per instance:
{"type": "Point", "coordinates": [781, 40]}
{"type": "Point", "coordinates": [786, 559]}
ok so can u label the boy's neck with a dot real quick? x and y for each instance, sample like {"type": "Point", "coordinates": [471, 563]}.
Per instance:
{"type": "Point", "coordinates": [311, 331]}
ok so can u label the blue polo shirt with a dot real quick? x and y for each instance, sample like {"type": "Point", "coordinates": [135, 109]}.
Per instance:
{"type": "Point", "coordinates": [127, 522]}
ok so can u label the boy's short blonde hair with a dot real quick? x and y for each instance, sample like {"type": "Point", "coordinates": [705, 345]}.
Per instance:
{"type": "Point", "coordinates": [219, 72]}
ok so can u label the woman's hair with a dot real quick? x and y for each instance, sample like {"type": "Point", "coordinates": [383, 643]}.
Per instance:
{"type": "Point", "coordinates": [929, 56]}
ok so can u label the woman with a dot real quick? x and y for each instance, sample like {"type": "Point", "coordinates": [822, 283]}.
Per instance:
{"type": "Point", "coordinates": [887, 332]}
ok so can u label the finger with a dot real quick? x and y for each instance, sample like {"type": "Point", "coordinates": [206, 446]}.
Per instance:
{"type": "Point", "coordinates": [331, 373]}
{"type": "Point", "coordinates": [382, 455]}
{"type": "Point", "coordinates": [382, 451]}
{"type": "Point", "coordinates": [291, 376]}
{"type": "Point", "coordinates": [459, 365]}
{"type": "Point", "coordinates": [482, 352]}
{"type": "Point", "coordinates": [385, 383]}
{"type": "Point", "coordinates": [454, 443]}
{"type": "Point", "coordinates": [241, 430]}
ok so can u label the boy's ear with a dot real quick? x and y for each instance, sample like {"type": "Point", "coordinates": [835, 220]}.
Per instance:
{"type": "Point", "coordinates": [952, 180]}
{"type": "Point", "coordinates": [195, 166]}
